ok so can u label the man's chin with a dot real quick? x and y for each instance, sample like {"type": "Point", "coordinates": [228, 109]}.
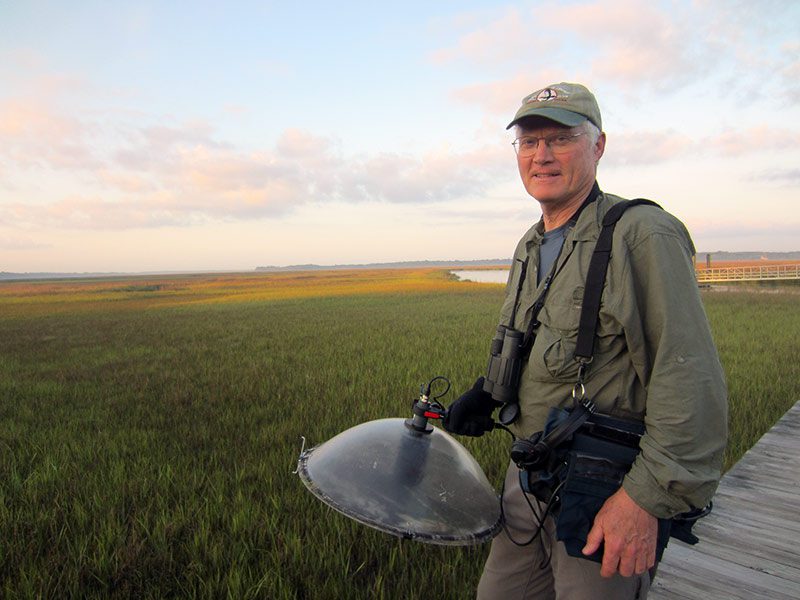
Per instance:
{"type": "Point", "coordinates": [546, 189]}
{"type": "Point", "coordinates": [544, 195]}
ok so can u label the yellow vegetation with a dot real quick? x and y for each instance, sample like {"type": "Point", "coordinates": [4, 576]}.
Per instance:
{"type": "Point", "coordinates": [68, 295]}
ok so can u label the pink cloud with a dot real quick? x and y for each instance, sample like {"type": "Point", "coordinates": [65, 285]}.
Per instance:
{"type": "Point", "coordinates": [496, 96]}
{"type": "Point", "coordinates": [651, 147]}
{"type": "Point", "coordinates": [499, 39]}
{"type": "Point", "coordinates": [180, 174]}
{"type": "Point", "coordinates": [434, 177]}
{"type": "Point", "coordinates": [500, 97]}
{"type": "Point", "coordinates": [645, 147]}
{"type": "Point", "coordinates": [622, 41]}
{"type": "Point", "coordinates": [760, 139]}
{"type": "Point", "coordinates": [33, 135]}
{"type": "Point", "coordinates": [631, 41]}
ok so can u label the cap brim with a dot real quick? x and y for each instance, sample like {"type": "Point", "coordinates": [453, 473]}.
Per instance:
{"type": "Point", "coordinates": [559, 115]}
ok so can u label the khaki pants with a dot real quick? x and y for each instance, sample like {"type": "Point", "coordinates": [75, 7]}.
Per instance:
{"type": "Point", "coordinates": [516, 573]}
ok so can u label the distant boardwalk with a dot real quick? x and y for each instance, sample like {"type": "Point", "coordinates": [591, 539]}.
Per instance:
{"type": "Point", "coordinates": [750, 544]}
{"type": "Point", "coordinates": [748, 273]}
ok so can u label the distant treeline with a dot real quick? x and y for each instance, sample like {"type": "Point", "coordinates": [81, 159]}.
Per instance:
{"type": "Point", "coordinates": [715, 256]}
{"type": "Point", "coordinates": [395, 265]}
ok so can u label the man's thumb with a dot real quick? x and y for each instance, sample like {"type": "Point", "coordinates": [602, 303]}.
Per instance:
{"type": "Point", "coordinates": [593, 540]}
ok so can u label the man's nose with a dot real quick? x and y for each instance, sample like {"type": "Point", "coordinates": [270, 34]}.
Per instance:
{"type": "Point", "coordinates": [543, 152]}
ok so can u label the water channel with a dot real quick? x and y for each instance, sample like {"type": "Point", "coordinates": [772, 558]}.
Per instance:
{"type": "Point", "coordinates": [483, 275]}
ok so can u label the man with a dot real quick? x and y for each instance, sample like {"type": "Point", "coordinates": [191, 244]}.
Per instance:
{"type": "Point", "coordinates": [654, 361]}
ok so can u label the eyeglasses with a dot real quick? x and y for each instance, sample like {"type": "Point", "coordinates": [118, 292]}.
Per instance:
{"type": "Point", "coordinates": [557, 142]}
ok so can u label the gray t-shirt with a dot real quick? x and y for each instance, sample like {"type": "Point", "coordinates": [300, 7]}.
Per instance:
{"type": "Point", "coordinates": [549, 250]}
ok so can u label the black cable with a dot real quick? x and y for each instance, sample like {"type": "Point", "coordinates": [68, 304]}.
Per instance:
{"type": "Point", "coordinates": [539, 519]}
{"type": "Point", "coordinates": [426, 389]}
{"type": "Point", "coordinates": [498, 425]}
{"type": "Point", "coordinates": [548, 555]}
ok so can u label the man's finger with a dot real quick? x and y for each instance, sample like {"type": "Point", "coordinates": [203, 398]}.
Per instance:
{"type": "Point", "coordinates": [641, 564]}
{"type": "Point", "coordinates": [629, 561]}
{"type": "Point", "coordinates": [593, 540]}
{"type": "Point", "coordinates": [650, 555]}
{"type": "Point", "coordinates": [611, 562]}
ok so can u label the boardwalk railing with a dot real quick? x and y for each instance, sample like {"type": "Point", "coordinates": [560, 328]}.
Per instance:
{"type": "Point", "coordinates": [752, 273]}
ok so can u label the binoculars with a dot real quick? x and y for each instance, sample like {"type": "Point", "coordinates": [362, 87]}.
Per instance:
{"type": "Point", "coordinates": [504, 370]}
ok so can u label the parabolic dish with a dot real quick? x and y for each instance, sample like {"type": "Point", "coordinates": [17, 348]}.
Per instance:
{"type": "Point", "coordinates": [422, 486]}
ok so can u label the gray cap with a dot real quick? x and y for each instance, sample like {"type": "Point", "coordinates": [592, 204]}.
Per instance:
{"type": "Point", "coordinates": [566, 103]}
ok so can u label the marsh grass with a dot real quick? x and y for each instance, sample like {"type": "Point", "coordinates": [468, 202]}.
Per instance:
{"type": "Point", "coordinates": [149, 429]}
{"type": "Point", "coordinates": [756, 334]}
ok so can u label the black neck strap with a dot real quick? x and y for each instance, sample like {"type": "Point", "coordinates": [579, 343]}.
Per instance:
{"type": "Point", "coordinates": [524, 267]}
{"type": "Point", "coordinates": [595, 280]}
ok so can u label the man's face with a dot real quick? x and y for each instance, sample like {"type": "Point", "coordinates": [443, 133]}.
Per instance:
{"type": "Point", "coordinates": [557, 176]}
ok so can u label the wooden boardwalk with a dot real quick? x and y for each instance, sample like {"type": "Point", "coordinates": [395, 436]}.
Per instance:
{"type": "Point", "coordinates": [748, 273]}
{"type": "Point", "coordinates": [750, 543]}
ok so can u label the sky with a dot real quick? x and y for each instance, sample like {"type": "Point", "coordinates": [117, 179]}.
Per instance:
{"type": "Point", "coordinates": [189, 136]}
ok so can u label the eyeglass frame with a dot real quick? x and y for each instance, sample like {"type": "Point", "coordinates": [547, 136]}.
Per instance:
{"type": "Point", "coordinates": [548, 141]}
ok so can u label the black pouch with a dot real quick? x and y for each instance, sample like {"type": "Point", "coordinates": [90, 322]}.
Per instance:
{"type": "Point", "coordinates": [577, 478]}
{"type": "Point", "coordinates": [595, 470]}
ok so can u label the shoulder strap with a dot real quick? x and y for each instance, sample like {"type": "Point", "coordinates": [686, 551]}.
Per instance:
{"type": "Point", "coordinates": [596, 278]}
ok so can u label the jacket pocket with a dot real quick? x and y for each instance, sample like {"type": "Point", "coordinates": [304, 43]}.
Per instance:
{"type": "Point", "coordinates": [553, 352]}
{"type": "Point", "coordinates": [554, 347]}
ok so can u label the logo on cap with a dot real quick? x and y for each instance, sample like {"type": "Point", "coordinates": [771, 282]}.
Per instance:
{"type": "Point", "coordinates": [546, 94]}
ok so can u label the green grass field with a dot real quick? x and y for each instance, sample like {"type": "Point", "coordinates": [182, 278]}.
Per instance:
{"type": "Point", "coordinates": [149, 429]}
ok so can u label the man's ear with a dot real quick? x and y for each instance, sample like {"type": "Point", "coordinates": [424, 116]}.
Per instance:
{"type": "Point", "coordinates": [599, 147]}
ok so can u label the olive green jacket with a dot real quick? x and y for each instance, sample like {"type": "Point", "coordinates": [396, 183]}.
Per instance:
{"type": "Point", "coordinates": [654, 357]}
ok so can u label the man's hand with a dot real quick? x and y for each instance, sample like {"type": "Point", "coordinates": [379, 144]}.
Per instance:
{"type": "Point", "coordinates": [471, 414]}
{"type": "Point", "coordinates": [628, 533]}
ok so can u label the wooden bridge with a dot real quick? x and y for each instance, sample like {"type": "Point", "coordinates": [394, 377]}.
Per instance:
{"type": "Point", "coordinates": [750, 543]}
{"type": "Point", "coordinates": [748, 273]}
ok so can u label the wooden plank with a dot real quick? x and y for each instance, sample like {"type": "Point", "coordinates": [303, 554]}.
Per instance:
{"type": "Point", "coordinates": [713, 577]}
{"type": "Point", "coordinates": [753, 557]}
{"type": "Point", "coordinates": [752, 499]}
{"type": "Point", "coordinates": [749, 543]}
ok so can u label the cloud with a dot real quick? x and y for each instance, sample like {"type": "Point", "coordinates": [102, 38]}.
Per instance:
{"type": "Point", "coordinates": [652, 147]}
{"type": "Point", "coordinates": [33, 135]}
{"type": "Point", "coordinates": [639, 48]}
{"type": "Point", "coordinates": [761, 138]}
{"type": "Point", "coordinates": [501, 39]}
{"type": "Point", "coordinates": [14, 244]}
{"type": "Point", "coordinates": [435, 177]}
{"type": "Point", "coordinates": [762, 237]}
{"type": "Point", "coordinates": [645, 147]}
{"type": "Point", "coordinates": [180, 173]}
{"type": "Point", "coordinates": [498, 97]}
{"type": "Point", "coordinates": [789, 70]}
{"type": "Point", "coordinates": [631, 43]}
{"type": "Point", "coordinates": [168, 173]}
{"type": "Point", "coordinates": [782, 177]}
{"type": "Point", "coordinates": [621, 41]}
